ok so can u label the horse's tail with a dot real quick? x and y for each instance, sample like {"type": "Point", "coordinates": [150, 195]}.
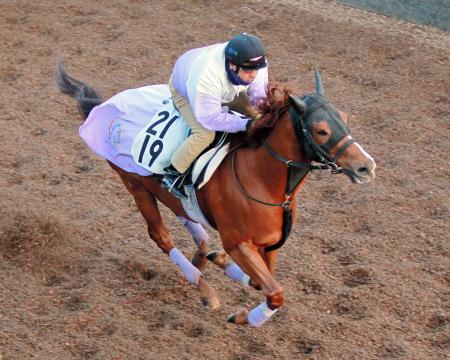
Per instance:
{"type": "Point", "coordinates": [87, 98]}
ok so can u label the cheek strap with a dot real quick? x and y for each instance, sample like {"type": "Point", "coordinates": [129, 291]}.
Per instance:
{"type": "Point", "coordinates": [342, 149]}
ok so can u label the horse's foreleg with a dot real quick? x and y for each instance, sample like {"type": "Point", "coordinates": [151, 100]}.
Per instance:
{"type": "Point", "coordinates": [270, 259]}
{"type": "Point", "coordinates": [200, 237]}
{"type": "Point", "coordinates": [198, 233]}
{"type": "Point", "coordinates": [250, 260]}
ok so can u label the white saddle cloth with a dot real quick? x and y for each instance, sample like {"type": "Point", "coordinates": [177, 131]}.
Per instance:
{"type": "Point", "coordinates": [139, 129]}
{"type": "Point", "coordinates": [111, 128]}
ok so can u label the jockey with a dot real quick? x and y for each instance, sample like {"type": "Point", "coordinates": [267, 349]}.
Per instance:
{"type": "Point", "coordinates": [203, 79]}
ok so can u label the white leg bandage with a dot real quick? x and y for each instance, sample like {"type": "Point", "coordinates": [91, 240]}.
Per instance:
{"type": "Point", "coordinates": [196, 230]}
{"type": "Point", "coordinates": [233, 271]}
{"type": "Point", "coordinates": [190, 272]}
{"type": "Point", "coordinates": [259, 315]}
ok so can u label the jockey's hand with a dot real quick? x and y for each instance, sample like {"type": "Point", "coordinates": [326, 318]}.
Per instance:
{"type": "Point", "coordinates": [241, 104]}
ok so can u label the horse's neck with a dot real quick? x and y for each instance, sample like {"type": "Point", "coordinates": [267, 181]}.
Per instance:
{"type": "Point", "coordinates": [283, 140]}
{"type": "Point", "coordinates": [271, 172]}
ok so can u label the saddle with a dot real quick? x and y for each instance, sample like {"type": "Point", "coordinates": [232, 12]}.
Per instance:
{"type": "Point", "coordinates": [209, 160]}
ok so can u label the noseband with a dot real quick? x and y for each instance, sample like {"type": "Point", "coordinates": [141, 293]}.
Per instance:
{"type": "Point", "coordinates": [314, 152]}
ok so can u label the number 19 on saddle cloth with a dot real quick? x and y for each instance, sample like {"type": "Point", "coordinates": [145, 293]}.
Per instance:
{"type": "Point", "coordinates": [155, 144]}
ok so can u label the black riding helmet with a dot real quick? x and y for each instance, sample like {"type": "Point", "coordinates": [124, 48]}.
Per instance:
{"type": "Point", "coordinates": [246, 51]}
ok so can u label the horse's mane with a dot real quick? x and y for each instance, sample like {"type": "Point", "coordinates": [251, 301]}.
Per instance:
{"type": "Point", "coordinates": [272, 109]}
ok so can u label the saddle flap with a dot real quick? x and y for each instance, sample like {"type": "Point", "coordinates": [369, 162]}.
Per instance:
{"type": "Point", "coordinates": [206, 165]}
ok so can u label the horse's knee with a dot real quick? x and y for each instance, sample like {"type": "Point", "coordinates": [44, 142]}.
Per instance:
{"type": "Point", "coordinates": [161, 237]}
{"type": "Point", "coordinates": [275, 299]}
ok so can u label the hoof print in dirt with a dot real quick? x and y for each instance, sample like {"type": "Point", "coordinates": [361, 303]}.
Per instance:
{"type": "Point", "coordinates": [76, 302]}
{"type": "Point", "coordinates": [86, 167]}
{"type": "Point", "coordinates": [307, 346]}
{"type": "Point", "coordinates": [357, 277]}
{"type": "Point", "coordinates": [137, 270]}
{"type": "Point", "coordinates": [309, 285]}
{"type": "Point", "coordinates": [347, 259]}
{"type": "Point", "coordinates": [437, 321]}
{"type": "Point", "coordinates": [391, 351]}
{"type": "Point", "coordinates": [349, 305]}
{"type": "Point", "coordinates": [196, 331]}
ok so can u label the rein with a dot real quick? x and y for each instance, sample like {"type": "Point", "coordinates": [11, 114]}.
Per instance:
{"type": "Point", "coordinates": [297, 171]}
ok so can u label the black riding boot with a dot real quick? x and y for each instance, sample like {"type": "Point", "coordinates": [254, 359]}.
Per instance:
{"type": "Point", "coordinates": [171, 182]}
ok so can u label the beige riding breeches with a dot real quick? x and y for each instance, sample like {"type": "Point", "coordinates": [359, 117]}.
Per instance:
{"type": "Point", "coordinates": [199, 139]}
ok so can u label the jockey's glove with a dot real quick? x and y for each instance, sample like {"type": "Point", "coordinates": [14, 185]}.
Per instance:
{"type": "Point", "coordinates": [241, 104]}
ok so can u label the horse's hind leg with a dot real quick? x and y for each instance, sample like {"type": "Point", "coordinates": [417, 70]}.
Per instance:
{"type": "Point", "coordinates": [147, 204]}
{"type": "Point", "coordinates": [200, 237]}
{"type": "Point", "coordinates": [231, 269]}
{"type": "Point", "coordinates": [203, 254]}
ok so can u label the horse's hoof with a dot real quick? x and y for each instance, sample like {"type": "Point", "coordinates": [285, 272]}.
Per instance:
{"type": "Point", "coordinates": [208, 296]}
{"type": "Point", "coordinates": [212, 303]}
{"type": "Point", "coordinates": [220, 259]}
{"type": "Point", "coordinates": [239, 318]}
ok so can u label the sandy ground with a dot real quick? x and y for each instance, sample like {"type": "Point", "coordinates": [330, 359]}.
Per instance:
{"type": "Point", "coordinates": [366, 269]}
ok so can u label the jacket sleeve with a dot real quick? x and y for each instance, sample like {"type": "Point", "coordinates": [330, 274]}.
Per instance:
{"type": "Point", "coordinates": [205, 98]}
{"type": "Point", "coordinates": [208, 112]}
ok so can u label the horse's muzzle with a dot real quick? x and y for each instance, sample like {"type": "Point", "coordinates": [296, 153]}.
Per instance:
{"type": "Point", "coordinates": [361, 174]}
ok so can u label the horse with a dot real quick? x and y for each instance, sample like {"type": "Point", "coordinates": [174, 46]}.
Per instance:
{"type": "Point", "coordinates": [251, 198]}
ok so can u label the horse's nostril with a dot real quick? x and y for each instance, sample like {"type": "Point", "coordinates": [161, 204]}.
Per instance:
{"type": "Point", "coordinates": [362, 171]}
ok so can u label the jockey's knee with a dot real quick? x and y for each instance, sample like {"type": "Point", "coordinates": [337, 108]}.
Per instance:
{"type": "Point", "coordinates": [275, 299]}
{"type": "Point", "coordinates": [205, 137]}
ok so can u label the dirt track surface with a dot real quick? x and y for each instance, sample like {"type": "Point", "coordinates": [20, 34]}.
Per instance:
{"type": "Point", "coordinates": [366, 269]}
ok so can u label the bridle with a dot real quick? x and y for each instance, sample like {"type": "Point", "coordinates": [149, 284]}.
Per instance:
{"type": "Point", "coordinates": [317, 153]}
{"type": "Point", "coordinates": [297, 171]}
{"type": "Point", "coordinates": [301, 111]}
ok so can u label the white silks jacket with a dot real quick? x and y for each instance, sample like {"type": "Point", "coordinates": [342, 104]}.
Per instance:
{"type": "Point", "coordinates": [200, 76]}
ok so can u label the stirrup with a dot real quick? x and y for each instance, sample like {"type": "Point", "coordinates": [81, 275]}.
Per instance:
{"type": "Point", "coordinates": [177, 192]}
{"type": "Point", "coordinates": [171, 186]}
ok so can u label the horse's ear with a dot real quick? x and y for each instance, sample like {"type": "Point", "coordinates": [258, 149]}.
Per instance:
{"type": "Point", "coordinates": [344, 116]}
{"type": "Point", "coordinates": [298, 105]}
{"type": "Point", "coordinates": [319, 85]}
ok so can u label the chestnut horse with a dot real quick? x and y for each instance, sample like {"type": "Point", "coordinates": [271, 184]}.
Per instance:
{"type": "Point", "coordinates": [251, 198]}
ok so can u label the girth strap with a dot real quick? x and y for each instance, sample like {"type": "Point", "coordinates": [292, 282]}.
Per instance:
{"type": "Point", "coordinates": [285, 230]}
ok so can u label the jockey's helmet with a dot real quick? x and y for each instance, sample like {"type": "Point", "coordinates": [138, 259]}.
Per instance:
{"type": "Point", "coordinates": [246, 51]}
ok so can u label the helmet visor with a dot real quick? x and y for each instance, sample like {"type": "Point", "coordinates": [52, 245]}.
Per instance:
{"type": "Point", "coordinates": [254, 64]}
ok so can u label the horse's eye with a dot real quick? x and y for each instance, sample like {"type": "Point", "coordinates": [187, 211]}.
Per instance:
{"type": "Point", "coordinates": [322, 133]}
